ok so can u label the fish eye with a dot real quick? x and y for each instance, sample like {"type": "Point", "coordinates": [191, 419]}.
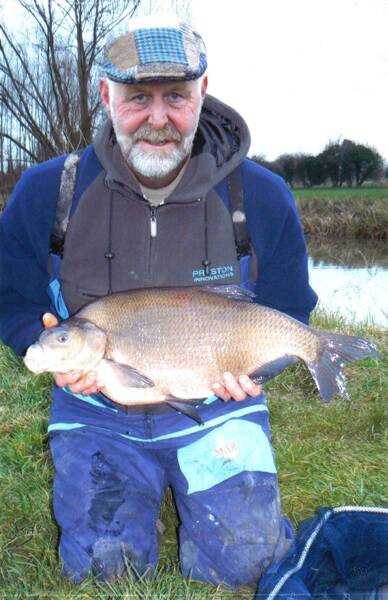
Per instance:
{"type": "Point", "coordinates": [62, 338]}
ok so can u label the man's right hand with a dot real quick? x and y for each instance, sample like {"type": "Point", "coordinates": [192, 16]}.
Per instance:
{"type": "Point", "coordinates": [76, 381]}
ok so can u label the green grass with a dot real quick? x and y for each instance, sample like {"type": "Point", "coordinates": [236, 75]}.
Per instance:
{"type": "Point", "coordinates": [365, 192]}
{"type": "Point", "coordinates": [326, 455]}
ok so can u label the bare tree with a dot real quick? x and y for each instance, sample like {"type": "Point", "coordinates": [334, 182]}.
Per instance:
{"type": "Point", "coordinates": [48, 83]}
{"type": "Point", "coordinates": [180, 8]}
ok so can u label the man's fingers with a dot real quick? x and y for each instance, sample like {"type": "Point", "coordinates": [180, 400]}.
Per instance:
{"type": "Point", "coordinates": [65, 379]}
{"type": "Point", "coordinates": [250, 387]}
{"type": "Point", "coordinates": [84, 384]}
{"type": "Point", "coordinates": [93, 389]}
{"type": "Point", "coordinates": [221, 392]}
{"type": "Point", "coordinates": [233, 387]}
{"type": "Point", "coordinates": [78, 382]}
{"type": "Point", "coordinates": [236, 389]}
{"type": "Point", "coordinates": [49, 320]}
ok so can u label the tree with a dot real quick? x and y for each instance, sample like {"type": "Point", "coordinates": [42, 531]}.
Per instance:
{"type": "Point", "coordinates": [287, 165]}
{"type": "Point", "coordinates": [310, 170]}
{"type": "Point", "coordinates": [365, 163]}
{"type": "Point", "coordinates": [48, 83]}
{"type": "Point", "coordinates": [335, 158]}
{"type": "Point", "coordinates": [331, 157]}
{"type": "Point", "coordinates": [351, 163]}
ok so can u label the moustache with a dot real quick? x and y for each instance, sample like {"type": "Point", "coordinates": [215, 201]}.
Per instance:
{"type": "Point", "coordinates": [157, 136]}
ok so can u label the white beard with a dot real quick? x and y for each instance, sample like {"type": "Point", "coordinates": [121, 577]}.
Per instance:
{"type": "Point", "coordinates": [154, 163]}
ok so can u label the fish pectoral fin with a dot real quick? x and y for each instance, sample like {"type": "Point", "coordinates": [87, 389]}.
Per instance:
{"type": "Point", "coordinates": [271, 369]}
{"type": "Point", "coordinates": [128, 376]}
{"type": "Point", "coordinates": [184, 407]}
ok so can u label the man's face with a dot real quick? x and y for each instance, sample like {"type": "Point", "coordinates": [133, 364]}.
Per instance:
{"type": "Point", "coordinates": [154, 123]}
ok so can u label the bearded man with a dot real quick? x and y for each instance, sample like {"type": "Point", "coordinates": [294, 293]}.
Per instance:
{"type": "Point", "coordinates": [163, 197]}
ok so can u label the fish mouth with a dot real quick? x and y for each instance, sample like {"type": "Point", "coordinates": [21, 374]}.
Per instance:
{"type": "Point", "coordinates": [33, 366]}
{"type": "Point", "coordinates": [34, 359]}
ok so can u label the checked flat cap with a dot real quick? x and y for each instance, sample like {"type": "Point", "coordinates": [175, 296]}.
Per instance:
{"type": "Point", "coordinates": [155, 49]}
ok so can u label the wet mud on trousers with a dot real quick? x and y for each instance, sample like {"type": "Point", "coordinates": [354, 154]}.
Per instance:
{"type": "Point", "coordinates": [111, 474]}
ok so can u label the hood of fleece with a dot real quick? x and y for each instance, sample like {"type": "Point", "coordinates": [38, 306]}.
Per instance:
{"type": "Point", "coordinates": [220, 145]}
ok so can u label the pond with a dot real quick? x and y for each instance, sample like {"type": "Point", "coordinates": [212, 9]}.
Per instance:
{"type": "Point", "coordinates": [351, 278]}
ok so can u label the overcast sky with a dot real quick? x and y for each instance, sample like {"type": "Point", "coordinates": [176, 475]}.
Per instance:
{"type": "Point", "coordinates": [301, 72]}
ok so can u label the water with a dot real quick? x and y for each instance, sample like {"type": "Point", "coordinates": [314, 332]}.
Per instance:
{"type": "Point", "coordinates": [351, 278]}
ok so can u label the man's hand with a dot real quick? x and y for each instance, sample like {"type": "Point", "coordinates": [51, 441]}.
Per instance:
{"type": "Point", "coordinates": [236, 389]}
{"type": "Point", "coordinates": [76, 381]}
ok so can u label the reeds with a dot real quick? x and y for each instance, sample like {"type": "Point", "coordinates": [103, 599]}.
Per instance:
{"type": "Point", "coordinates": [342, 216]}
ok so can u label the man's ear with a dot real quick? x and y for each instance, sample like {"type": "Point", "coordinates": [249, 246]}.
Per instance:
{"type": "Point", "coordinates": [204, 87]}
{"type": "Point", "coordinates": [104, 92]}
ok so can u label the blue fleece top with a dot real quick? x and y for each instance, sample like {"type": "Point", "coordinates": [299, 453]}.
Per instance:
{"type": "Point", "coordinates": [26, 225]}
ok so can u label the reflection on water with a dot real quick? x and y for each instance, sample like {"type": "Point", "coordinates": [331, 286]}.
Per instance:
{"type": "Point", "coordinates": [351, 277]}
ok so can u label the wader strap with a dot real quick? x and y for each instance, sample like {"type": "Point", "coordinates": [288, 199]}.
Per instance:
{"type": "Point", "coordinates": [65, 200]}
{"type": "Point", "coordinates": [236, 198]}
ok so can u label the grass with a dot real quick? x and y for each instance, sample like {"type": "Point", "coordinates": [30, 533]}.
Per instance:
{"type": "Point", "coordinates": [327, 455]}
{"type": "Point", "coordinates": [344, 213]}
{"type": "Point", "coordinates": [364, 192]}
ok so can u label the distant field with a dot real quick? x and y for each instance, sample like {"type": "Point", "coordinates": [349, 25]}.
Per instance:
{"type": "Point", "coordinates": [380, 191]}
{"type": "Point", "coordinates": [342, 193]}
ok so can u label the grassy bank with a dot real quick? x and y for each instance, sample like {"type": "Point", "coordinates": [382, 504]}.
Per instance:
{"type": "Point", "coordinates": [360, 213]}
{"type": "Point", "coordinates": [326, 456]}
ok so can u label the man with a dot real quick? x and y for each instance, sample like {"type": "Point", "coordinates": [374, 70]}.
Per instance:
{"type": "Point", "coordinates": [150, 209]}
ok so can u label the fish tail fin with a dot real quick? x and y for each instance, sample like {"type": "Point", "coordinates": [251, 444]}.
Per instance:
{"type": "Point", "coordinates": [336, 351]}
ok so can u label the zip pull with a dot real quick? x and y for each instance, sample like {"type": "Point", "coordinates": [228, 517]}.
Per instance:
{"type": "Point", "coordinates": [154, 229]}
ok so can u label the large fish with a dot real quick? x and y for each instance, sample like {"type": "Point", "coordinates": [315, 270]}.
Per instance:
{"type": "Point", "coordinates": [172, 344]}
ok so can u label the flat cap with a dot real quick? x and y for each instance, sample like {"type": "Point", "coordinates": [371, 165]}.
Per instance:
{"type": "Point", "coordinates": [156, 48]}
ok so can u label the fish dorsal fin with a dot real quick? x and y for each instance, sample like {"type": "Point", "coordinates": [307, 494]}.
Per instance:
{"type": "Point", "coordinates": [232, 292]}
{"type": "Point", "coordinates": [271, 369]}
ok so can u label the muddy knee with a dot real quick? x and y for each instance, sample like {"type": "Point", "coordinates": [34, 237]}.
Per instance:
{"type": "Point", "coordinates": [111, 559]}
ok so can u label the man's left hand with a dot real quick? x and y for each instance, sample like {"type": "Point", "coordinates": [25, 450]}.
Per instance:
{"type": "Point", "coordinates": [236, 389]}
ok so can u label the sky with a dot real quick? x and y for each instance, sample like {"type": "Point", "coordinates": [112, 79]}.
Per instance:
{"type": "Point", "coordinates": [300, 72]}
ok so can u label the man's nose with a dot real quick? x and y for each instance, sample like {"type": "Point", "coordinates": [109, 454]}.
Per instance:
{"type": "Point", "coordinates": [158, 113]}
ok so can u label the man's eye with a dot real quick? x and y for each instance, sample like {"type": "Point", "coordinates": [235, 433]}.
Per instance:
{"type": "Point", "coordinates": [140, 98]}
{"type": "Point", "coordinates": [175, 97]}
